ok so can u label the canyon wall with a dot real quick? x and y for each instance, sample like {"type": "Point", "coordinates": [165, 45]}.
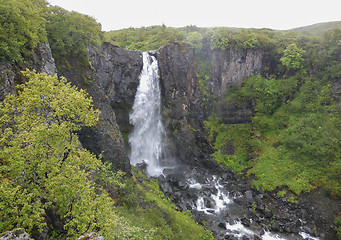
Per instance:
{"type": "Point", "coordinates": [184, 106]}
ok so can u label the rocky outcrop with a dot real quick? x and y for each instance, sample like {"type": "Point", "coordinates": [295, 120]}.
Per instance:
{"type": "Point", "coordinates": [227, 199]}
{"type": "Point", "coordinates": [110, 78]}
{"type": "Point", "coordinates": [184, 109]}
{"type": "Point", "coordinates": [17, 234]}
{"type": "Point", "coordinates": [10, 76]}
{"type": "Point", "coordinates": [232, 66]}
{"type": "Point", "coordinates": [43, 60]}
{"type": "Point", "coordinates": [181, 102]}
{"type": "Point", "coordinates": [91, 236]}
{"type": "Point", "coordinates": [118, 73]}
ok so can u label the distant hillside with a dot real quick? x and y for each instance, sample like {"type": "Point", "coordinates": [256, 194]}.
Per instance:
{"type": "Point", "coordinates": [319, 28]}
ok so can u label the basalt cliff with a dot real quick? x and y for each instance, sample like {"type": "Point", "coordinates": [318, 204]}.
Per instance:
{"type": "Point", "coordinates": [111, 77]}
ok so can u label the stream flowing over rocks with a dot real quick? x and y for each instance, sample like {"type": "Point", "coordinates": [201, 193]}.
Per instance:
{"type": "Point", "coordinates": [231, 208]}
{"type": "Point", "coordinates": [217, 199]}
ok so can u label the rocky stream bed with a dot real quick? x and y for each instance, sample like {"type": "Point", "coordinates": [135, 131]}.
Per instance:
{"type": "Point", "coordinates": [232, 209]}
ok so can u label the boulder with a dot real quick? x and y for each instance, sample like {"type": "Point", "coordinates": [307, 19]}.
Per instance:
{"type": "Point", "coordinates": [17, 234]}
{"type": "Point", "coordinates": [91, 236]}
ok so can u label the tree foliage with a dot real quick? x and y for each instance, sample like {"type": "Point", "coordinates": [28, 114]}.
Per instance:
{"type": "Point", "coordinates": [44, 168]}
{"type": "Point", "coordinates": [145, 38]}
{"type": "Point", "coordinates": [220, 39]}
{"type": "Point", "coordinates": [292, 57]}
{"type": "Point", "coordinates": [71, 33]}
{"type": "Point", "coordinates": [22, 27]}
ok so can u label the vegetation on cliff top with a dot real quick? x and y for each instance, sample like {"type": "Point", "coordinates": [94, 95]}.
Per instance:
{"type": "Point", "coordinates": [26, 23]}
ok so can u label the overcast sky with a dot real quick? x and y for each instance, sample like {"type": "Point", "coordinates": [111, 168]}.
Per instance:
{"type": "Point", "coordinates": [275, 14]}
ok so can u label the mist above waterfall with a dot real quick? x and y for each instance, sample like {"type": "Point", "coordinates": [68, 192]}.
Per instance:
{"type": "Point", "coordinates": [148, 133]}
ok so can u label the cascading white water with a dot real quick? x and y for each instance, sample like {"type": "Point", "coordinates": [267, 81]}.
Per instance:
{"type": "Point", "coordinates": [146, 138]}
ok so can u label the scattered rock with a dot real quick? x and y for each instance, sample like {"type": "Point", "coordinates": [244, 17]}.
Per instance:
{"type": "Point", "coordinates": [17, 234]}
{"type": "Point", "coordinates": [91, 236]}
{"type": "Point", "coordinates": [142, 166]}
{"type": "Point", "coordinates": [256, 237]}
{"type": "Point", "coordinates": [276, 226]}
{"type": "Point", "coordinates": [291, 228]}
{"type": "Point", "coordinates": [222, 225]}
{"type": "Point", "coordinates": [249, 196]}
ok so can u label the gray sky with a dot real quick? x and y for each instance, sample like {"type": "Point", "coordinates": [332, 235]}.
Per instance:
{"type": "Point", "coordinates": [275, 14]}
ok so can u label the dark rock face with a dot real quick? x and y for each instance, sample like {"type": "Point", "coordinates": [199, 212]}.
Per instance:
{"type": "Point", "coordinates": [118, 73]}
{"type": "Point", "coordinates": [111, 79]}
{"type": "Point", "coordinates": [183, 106]}
{"type": "Point", "coordinates": [232, 67]}
{"type": "Point", "coordinates": [10, 76]}
{"type": "Point", "coordinates": [181, 102]}
{"type": "Point", "coordinates": [43, 60]}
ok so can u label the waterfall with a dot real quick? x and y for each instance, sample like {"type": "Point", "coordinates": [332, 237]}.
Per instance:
{"type": "Point", "coordinates": [146, 137]}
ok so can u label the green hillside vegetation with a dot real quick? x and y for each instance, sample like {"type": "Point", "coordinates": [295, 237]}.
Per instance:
{"type": "Point", "coordinates": [26, 23]}
{"type": "Point", "coordinates": [22, 28]}
{"type": "Point", "coordinates": [294, 140]}
{"type": "Point", "coordinates": [319, 28]}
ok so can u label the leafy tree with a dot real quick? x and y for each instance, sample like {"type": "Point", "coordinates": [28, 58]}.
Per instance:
{"type": "Point", "coordinates": [44, 168]}
{"type": "Point", "coordinates": [22, 27]}
{"type": "Point", "coordinates": [195, 38]}
{"type": "Point", "coordinates": [71, 33]}
{"type": "Point", "coordinates": [293, 57]}
{"type": "Point", "coordinates": [220, 39]}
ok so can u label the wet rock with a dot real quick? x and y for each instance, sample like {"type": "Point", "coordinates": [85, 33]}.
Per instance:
{"type": "Point", "coordinates": [209, 203]}
{"type": "Point", "coordinates": [276, 226]}
{"type": "Point", "coordinates": [183, 206]}
{"type": "Point", "coordinates": [298, 223]}
{"type": "Point", "coordinates": [308, 230]}
{"type": "Point", "coordinates": [142, 166]}
{"type": "Point", "coordinates": [92, 236]}
{"type": "Point", "coordinates": [256, 237]}
{"type": "Point", "coordinates": [182, 184]}
{"type": "Point", "coordinates": [231, 237]}
{"type": "Point", "coordinates": [249, 196]}
{"type": "Point", "coordinates": [222, 225]}
{"type": "Point", "coordinates": [167, 171]}
{"type": "Point", "coordinates": [245, 222]}
{"type": "Point", "coordinates": [165, 187]}
{"type": "Point", "coordinates": [291, 228]}
{"type": "Point", "coordinates": [17, 234]}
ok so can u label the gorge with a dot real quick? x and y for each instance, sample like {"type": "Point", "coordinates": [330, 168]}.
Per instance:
{"type": "Point", "coordinates": [211, 194]}
{"type": "Point", "coordinates": [199, 122]}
